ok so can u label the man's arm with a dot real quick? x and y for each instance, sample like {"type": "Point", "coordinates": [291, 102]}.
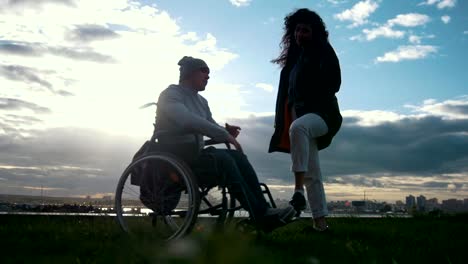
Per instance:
{"type": "Point", "coordinates": [171, 104]}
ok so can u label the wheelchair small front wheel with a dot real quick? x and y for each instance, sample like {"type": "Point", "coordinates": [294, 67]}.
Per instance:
{"type": "Point", "coordinates": [158, 196]}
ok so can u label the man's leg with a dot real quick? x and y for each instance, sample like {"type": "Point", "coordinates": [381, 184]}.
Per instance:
{"type": "Point", "coordinates": [273, 217]}
{"type": "Point", "coordinates": [239, 185]}
{"type": "Point", "coordinates": [248, 174]}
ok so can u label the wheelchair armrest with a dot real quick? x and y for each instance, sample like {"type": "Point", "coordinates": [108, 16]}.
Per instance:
{"type": "Point", "coordinates": [214, 142]}
{"type": "Point", "coordinates": [167, 134]}
{"type": "Point", "coordinates": [161, 134]}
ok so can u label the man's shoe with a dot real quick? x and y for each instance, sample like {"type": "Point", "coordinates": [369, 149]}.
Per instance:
{"type": "Point", "coordinates": [284, 214]}
{"type": "Point", "coordinates": [298, 201]}
{"type": "Point", "coordinates": [275, 217]}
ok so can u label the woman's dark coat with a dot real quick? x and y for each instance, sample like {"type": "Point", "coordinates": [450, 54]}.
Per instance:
{"type": "Point", "coordinates": [319, 78]}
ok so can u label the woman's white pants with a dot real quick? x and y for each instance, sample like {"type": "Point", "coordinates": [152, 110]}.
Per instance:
{"type": "Point", "coordinates": [304, 154]}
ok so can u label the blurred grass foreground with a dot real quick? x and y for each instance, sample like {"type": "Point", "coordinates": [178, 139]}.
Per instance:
{"type": "Point", "coordinates": [73, 239]}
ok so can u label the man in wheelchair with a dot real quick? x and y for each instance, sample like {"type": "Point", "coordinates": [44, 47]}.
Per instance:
{"type": "Point", "coordinates": [181, 109]}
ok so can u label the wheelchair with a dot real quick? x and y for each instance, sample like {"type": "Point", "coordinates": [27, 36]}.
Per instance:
{"type": "Point", "coordinates": [159, 193]}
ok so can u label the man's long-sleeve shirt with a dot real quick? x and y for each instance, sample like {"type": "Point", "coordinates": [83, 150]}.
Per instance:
{"type": "Point", "coordinates": [181, 109]}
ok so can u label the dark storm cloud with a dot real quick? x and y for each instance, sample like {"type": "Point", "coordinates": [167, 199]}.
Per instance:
{"type": "Point", "coordinates": [456, 108]}
{"type": "Point", "coordinates": [423, 147]}
{"type": "Point", "coordinates": [38, 49]}
{"type": "Point", "coordinates": [79, 161]}
{"type": "Point", "coordinates": [88, 33]}
{"type": "Point", "coordinates": [85, 161]}
{"type": "Point", "coordinates": [17, 104]}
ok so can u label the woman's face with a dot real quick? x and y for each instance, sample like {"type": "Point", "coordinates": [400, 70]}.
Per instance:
{"type": "Point", "coordinates": [303, 34]}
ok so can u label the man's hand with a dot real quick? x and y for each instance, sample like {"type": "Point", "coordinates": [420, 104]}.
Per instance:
{"type": "Point", "coordinates": [233, 130]}
{"type": "Point", "coordinates": [236, 144]}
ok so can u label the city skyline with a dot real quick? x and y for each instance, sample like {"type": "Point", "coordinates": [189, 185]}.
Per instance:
{"type": "Point", "coordinates": [74, 74]}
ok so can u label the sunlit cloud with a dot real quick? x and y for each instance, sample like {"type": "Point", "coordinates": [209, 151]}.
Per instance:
{"type": "Point", "coordinates": [337, 2]}
{"type": "Point", "coordinates": [409, 20]}
{"type": "Point", "coordinates": [96, 54]}
{"type": "Point", "coordinates": [265, 86]}
{"type": "Point", "coordinates": [448, 109]}
{"type": "Point", "coordinates": [411, 52]}
{"type": "Point", "coordinates": [239, 3]}
{"type": "Point", "coordinates": [441, 4]}
{"type": "Point", "coordinates": [383, 31]}
{"type": "Point", "coordinates": [446, 19]}
{"type": "Point", "coordinates": [387, 30]}
{"type": "Point", "coordinates": [359, 13]}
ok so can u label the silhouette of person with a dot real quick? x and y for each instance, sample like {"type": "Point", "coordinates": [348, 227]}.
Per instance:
{"type": "Point", "coordinates": [182, 109]}
{"type": "Point", "coordinates": [307, 113]}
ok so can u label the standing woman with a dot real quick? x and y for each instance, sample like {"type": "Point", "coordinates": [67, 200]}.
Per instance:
{"type": "Point", "coordinates": [307, 112]}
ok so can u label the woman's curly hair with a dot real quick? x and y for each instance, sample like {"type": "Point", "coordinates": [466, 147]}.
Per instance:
{"type": "Point", "coordinates": [289, 49]}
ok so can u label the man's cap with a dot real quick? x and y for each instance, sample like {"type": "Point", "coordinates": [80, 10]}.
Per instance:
{"type": "Point", "coordinates": [190, 64]}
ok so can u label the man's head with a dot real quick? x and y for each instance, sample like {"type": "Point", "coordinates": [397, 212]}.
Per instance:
{"type": "Point", "coordinates": [194, 73]}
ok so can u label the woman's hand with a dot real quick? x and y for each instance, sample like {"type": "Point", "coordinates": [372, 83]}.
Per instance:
{"type": "Point", "coordinates": [233, 130]}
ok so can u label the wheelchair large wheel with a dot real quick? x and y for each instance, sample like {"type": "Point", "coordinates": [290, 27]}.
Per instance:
{"type": "Point", "coordinates": [157, 195]}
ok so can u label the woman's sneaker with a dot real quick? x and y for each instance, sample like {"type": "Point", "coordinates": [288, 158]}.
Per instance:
{"type": "Point", "coordinates": [298, 201]}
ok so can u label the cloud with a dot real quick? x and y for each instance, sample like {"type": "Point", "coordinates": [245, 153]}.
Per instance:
{"type": "Point", "coordinates": [18, 49]}
{"type": "Point", "coordinates": [387, 31]}
{"type": "Point", "coordinates": [409, 20]}
{"type": "Point", "coordinates": [239, 3]}
{"type": "Point", "coordinates": [18, 104]}
{"type": "Point", "coordinates": [381, 152]}
{"type": "Point", "coordinates": [37, 50]}
{"type": "Point", "coordinates": [93, 49]}
{"type": "Point", "coordinates": [441, 4]}
{"type": "Point", "coordinates": [6, 5]}
{"type": "Point", "coordinates": [446, 4]}
{"type": "Point", "coordinates": [449, 109]}
{"type": "Point", "coordinates": [88, 33]}
{"type": "Point", "coordinates": [265, 86]}
{"type": "Point", "coordinates": [383, 31]}
{"type": "Point", "coordinates": [411, 52]}
{"type": "Point", "coordinates": [23, 74]}
{"type": "Point", "coordinates": [414, 39]}
{"type": "Point", "coordinates": [359, 13]}
{"type": "Point", "coordinates": [337, 2]}
{"type": "Point", "coordinates": [446, 19]}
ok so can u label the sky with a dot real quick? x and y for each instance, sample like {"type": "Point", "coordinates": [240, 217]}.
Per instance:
{"type": "Point", "coordinates": [73, 75]}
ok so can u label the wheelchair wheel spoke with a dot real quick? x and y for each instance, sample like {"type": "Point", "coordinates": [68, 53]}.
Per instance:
{"type": "Point", "coordinates": [171, 222]}
{"type": "Point", "coordinates": [165, 190]}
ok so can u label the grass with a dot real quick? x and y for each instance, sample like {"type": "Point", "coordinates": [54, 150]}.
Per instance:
{"type": "Point", "coordinates": [71, 239]}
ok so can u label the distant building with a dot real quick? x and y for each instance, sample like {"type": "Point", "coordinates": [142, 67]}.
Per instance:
{"type": "Point", "coordinates": [421, 203]}
{"type": "Point", "coordinates": [410, 202]}
{"type": "Point", "coordinates": [107, 197]}
{"type": "Point", "coordinates": [359, 206]}
{"type": "Point", "coordinates": [399, 206]}
{"type": "Point", "coordinates": [432, 204]}
{"type": "Point", "coordinates": [452, 205]}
